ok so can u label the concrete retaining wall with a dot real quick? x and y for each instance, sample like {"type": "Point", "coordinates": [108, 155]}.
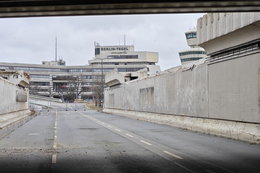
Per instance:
{"type": "Point", "coordinates": [227, 90]}
{"type": "Point", "coordinates": [234, 89]}
{"type": "Point", "coordinates": [249, 132]}
{"type": "Point", "coordinates": [12, 98]}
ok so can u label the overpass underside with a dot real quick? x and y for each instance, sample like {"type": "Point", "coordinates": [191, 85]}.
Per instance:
{"type": "Point", "coordinates": [34, 8]}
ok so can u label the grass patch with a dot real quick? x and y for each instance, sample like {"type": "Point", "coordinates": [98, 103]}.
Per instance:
{"type": "Point", "coordinates": [93, 107]}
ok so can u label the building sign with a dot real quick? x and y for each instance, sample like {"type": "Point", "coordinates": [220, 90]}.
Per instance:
{"type": "Point", "coordinates": [114, 48]}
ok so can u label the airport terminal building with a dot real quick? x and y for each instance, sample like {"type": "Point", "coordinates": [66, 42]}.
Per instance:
{"type": "Point", "coordinates": [55, 79]}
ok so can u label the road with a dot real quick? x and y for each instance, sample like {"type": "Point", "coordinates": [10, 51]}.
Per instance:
{"type": "Point", "coordinates": [89, 141]}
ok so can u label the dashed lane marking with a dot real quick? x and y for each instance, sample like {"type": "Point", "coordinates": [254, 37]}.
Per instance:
{"type": "Point", "coordinates": [173, 155]}
{"type": "Point", "coordinates": [55, 146]}
{"type": "Point", "coordinates": [147, 143]}
{"type": "Point", "coordinates": [54, 158]}
{"type": "Point", "coordinates": [129, 135]}
{"type": "Point", "coordinates": [157, 148]}
{"type": "Point", "coordinates": [118, 130]}
{"type": "Point", "coordinates": [34, 134]}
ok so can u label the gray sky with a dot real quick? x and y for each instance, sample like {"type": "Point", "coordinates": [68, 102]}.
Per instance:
{"type": "Point", "coordinates": [32, 40]}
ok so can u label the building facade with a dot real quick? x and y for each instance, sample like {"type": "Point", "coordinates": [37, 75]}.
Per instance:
{"type": "Point", "coordinates": [55, 79]}
{"type": "Point", "coordinates": [195, 52]}
{"type": "Point", "coordinates": [122, 55]}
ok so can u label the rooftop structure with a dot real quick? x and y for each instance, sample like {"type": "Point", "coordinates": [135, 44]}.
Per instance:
{"type": "Point", "coordinates": [52, 63]}
{"type": "Point", "coordinates": [122, 55]}
{"type": "Point", "coordinates": [195, 52]}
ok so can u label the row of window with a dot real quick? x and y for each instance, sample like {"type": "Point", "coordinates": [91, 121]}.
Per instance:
{"type": "Point", "coordinates": [191, 35]}
{"type": "Point", "coordinates": [40, 83]}
{"type": "Point", "coordinates": [128, 69]}
{"type": "Point", "coordinates": [80, 70]}
{"type": "Point", "coordinates": [102, 69]}
{"type": "Point", "coordinates": [191, 52]}
{"type": "Point", "coordinates": [190, 59]}
{"type": "Point", "coordinates": [38, 69]}
{"type": "Point", "coordinates": [126, 63]}
{"type": "Point", "coordinates": [39, 76]}
{"type": "Point", "coordinates": [64, 77]}
{"type": "Point", "coordinates": [239, 50]}
{"type": "Point", "coordinates": [123, 57]}
{"type": "Point", "coordinates": [28, 69]}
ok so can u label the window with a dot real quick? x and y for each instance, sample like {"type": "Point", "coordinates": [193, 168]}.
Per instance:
{"type": "Point", "coordinates": [191, 52]}
{"type": "Point", "coordinates": [190, 59]}
{"type": "Point", "coordinates": [97, 51]}
{"type": "Point", "coordinates": [128, 69]}
{"type": "Point", "coordinates": [123, 56]}
{"type": "Point", "coordinates": [4, 68]}
{"type": "Point", "coordinates": [40, 83]}
{"type": "Point", "coordinates": [39, 76]}
{"type": "Point", "coordinates": [191, 35]}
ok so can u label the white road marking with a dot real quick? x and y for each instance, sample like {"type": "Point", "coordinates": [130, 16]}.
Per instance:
{"type": "Point", "coordinates": [129, 135]}
{"type": "Point", "coordinates": [34, 134]}
{"type": "Point", "coordinates": [118, 130]}
{"type": "Point", "coordinates": [184, 167]}
{"type": "Point", "coordinates": [173, 155]}
{"type": "Point", "coordinates": [54, 158]}
{"type": "Point", "coordinates": [135, 139]}
{"type": "Point", "coordinates": [147, 143]}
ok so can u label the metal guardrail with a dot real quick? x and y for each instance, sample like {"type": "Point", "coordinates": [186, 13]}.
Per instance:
{"type": "Point", "coordinates": [44, 98]}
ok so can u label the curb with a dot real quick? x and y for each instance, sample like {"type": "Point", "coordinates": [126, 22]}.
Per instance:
{"type": "Point", "coordinates": [247, 132]}
{"type": "Point", "coordinates": [9, 128]}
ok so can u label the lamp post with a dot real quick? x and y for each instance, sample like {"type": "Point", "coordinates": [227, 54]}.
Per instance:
{"type": "Point", "coordinates": [102, 83]}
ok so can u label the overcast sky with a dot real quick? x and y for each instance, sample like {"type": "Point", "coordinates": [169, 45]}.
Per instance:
{"type": "Point", "coordinates": [32, 40]}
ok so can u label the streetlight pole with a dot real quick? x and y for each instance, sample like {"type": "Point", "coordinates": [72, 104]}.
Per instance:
{"type": "Point", "coordinates": [102, 83]}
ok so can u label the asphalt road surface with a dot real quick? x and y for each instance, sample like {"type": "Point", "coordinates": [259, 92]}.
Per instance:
{"type": "Point", "coordinates": [88, 141]}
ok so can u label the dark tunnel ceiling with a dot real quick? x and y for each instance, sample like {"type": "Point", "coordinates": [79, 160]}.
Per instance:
{"type": "Point", "coordinates": [34, 8]}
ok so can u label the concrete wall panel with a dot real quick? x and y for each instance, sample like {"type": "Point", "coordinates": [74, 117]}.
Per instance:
{"type": "Point", "coordinates": [233, 89]}
{"type": "Point", "coordinates": [8, 94]}
{"type": "Point", "coordinates": [182, 93]}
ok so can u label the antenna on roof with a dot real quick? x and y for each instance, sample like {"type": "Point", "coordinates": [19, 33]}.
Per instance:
{"type": "Point", "coordinates": [56, 50]}
{"type": "Point", "coordinates": [124, 40]}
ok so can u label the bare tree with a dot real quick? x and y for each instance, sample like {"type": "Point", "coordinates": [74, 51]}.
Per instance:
{"type": "Point", "coordinates": [34, 89]}
{"type": "Point", "coordinates": [73, 88]}
{"type": "Point", "coordinates": [98, 94]}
